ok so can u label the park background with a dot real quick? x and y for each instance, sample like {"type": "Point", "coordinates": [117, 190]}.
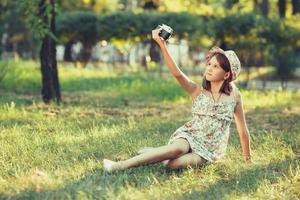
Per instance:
{"type": "Point", "coordinates": [82, 80]}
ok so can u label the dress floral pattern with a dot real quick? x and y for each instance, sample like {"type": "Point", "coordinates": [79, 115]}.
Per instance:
{"type": "Point", "coordinates": [208, 130]}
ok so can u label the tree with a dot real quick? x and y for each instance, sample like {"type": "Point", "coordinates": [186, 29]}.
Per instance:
{"type": "Point", "coordinates": [230, 3]}
{"type": "Point", "coordinates": [151, 5]}
{"type": "Point", "coordinates": [50, 83]}
{"type": "Point", "coordinates": [265, 7]}
{"type": "Point", "coordinates": [154, 50]}
{"type": "Point", "coordinates": [279, 47]}
{"type": "Point", "coordinates": [296, 6]}
{"type": "Point", "coordinates": [281, 8]}
{"type": "Point", "coordinates": [14, 35]}
{"type": "Point", "coordinates": [41, 19]}
{"type": "Point", "coordinates": [262, 6]}
{"type": "Point", "coordinates": [80, 26]}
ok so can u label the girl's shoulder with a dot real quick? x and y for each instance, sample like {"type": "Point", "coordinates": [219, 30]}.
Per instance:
{"type": "Point", "coordinates": [235, 88]}
{"type": "Point", "coordinates": [197, 92]}
{"type": "Point", "coordinates": [236, 92]}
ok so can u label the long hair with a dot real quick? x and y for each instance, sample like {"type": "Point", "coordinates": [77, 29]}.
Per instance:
{"type": "Point", "coordinates": [227, 85]}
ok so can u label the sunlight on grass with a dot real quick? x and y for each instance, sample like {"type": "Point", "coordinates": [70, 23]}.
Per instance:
{"type": "Point", "coordinates": [55, 152]}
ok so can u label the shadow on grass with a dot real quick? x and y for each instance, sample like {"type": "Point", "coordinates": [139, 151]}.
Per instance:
{"type": "Point", "coordinates": [247, 182]}
{"type": "Point", "coordinates": [106, 91]}
{"type": "Point", "coordinates": [123, 89]}
{"type": "Point", "coordinates": [101, 184]}
{"type": "Point", "coordinates": [102, 83]}
{"type": "Point", "coordinates": [135, 82]}
{"type": "Point", "coordinates": [282, 122]}
{"type": "Point", "coordinates": [97, 183]}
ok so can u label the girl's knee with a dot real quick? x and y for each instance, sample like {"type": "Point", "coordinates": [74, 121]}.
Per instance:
{"type": "Point", "coordinates": [177, 151]}
{"type": "Point", "coordinates": [190, 159]}
{"type": "Point", "coordinates": [180, 147]}
{"type": "Point", "coordinates": [173, 164]}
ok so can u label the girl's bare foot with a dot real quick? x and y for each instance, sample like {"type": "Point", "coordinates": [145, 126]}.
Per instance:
{"type": "Point", "coordinates": [111, 166]}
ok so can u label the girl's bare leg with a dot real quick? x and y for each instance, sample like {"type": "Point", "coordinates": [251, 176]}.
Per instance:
{"type": "Point", "coordinates": [144, 150]}
{"type": "Point", "coordinates": [178, 148]}
{"type": "Point", "coordinates": [147, 149]}
{"type": "Point", "coordinates": [189, 159]}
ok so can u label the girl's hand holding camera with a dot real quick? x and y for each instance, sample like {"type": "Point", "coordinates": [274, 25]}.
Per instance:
{"type": "Point", "coordinates": [157, 38]}
{"type": "Point", "coordinates": [161, 34]}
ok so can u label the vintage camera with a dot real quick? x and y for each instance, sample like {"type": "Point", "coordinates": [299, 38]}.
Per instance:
{"type": "Point", "coordinates": [165, 32]}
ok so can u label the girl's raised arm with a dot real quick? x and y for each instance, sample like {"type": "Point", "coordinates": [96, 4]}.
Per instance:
{"type": "Point", "coordinates": [189, 85]}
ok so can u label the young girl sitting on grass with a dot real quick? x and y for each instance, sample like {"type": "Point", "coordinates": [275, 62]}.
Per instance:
{"type": "Point", "coordinates": [204, 138]}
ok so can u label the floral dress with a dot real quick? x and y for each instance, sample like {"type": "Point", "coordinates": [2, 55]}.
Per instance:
{"type": "Point", "coordinates": [208, 130]}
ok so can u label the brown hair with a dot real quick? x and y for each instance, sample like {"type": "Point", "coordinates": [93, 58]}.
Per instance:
{"type": "Point", "coordinates": [224, 63]}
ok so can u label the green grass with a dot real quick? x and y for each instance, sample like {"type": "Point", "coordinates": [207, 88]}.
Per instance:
{"type": "Point", "coordinates": [111, 115]}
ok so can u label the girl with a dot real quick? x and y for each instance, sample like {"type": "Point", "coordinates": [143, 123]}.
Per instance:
{"type": "Point", "coordinates": [204, 138]}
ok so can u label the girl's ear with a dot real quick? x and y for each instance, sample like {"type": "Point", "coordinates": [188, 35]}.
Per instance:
{"type": "Point", "coordinates": [227, 75]}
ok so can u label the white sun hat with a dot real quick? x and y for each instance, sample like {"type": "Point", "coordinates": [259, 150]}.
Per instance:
{"type": "Point", "coordinates": [233, 59]}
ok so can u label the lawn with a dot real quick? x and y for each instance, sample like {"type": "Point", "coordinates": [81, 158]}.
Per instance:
{"type": "Point", "coordinates": [56, 152]}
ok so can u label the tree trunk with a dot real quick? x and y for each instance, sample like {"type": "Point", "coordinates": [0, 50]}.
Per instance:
{"type": "Point", "coordinates": [265, 8]}
{"type": "Point", "coordinates": [154, 51]}
{"type": "Point", "coordinates": [50, 83]}
{"type": "Point", "coordinates": [144, 57]}
{"type": "Point", "coordinates": [179, 53]}
{"type": "Point", "coordinates": [151, 5]}
{"type": "Point", "coordinates": [68, 51]}
{"type": "Point", "coordinates": [281, 8]}
{"type": "Point", "coordinates": [262, 6]}
{"type": "Point", "coordinates": [255, 4]}
{"type": "Point", "coordinates": [230, 3]}
{"type": "Point", "coordinates": [144, 63]}
{"type": "Point", "coordinates": [223, 45]}
{"type": "Point", "coordinates": [86, 53]}
{"type": "Point", "coordinates": [296, 6]}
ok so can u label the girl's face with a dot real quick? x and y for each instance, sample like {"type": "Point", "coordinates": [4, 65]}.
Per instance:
{"type": "Point", "coordinates": [214, 72]}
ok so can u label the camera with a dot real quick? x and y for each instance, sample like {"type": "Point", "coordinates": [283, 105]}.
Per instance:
{"type": "Point", "coordinates": [165, 32]}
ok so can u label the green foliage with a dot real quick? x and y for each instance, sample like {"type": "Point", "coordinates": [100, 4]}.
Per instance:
{"type": "Point", "coordinates": [78, 25]}
{"type": "Point", "coordinates": [123, 25]}
{"type": "Point", "coordinates": [258, 40]}
{"type": "Point", "coordinates": [3, 70]}
{"type": "Point", "coordinates": [20, 77]}
{"type": "Point", "coordinates": [232, 25]}
{"type": "Point", "coordinates": [280, 42]}
{"type": "Point", "coordinates": [13, 25]}
{"type": "Point", "coordinates": [35, 22]}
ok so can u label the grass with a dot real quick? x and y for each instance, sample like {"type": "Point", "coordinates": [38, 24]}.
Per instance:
{"type": "Point", "coordinates": [51, 152]}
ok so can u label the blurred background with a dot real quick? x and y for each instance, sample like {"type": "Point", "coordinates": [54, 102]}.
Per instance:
{"type": "Point", "coordinates": [82, 80]}
{"type": "Point", "coordinates": [116, 35]}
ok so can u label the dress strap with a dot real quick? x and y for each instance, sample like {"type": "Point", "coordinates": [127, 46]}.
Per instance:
{"type": "Point", "coordinates": [235, 91]}
{"type": "Point", "coordinates": [201, 88]}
